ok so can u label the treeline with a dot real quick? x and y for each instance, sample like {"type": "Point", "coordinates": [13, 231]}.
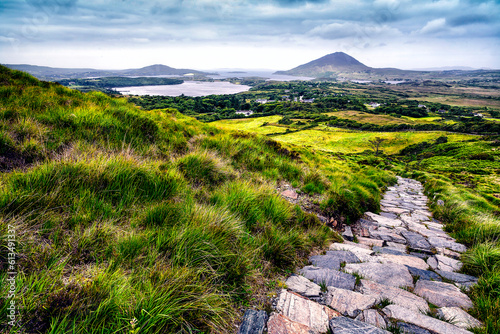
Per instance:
{"type": "Point", "coordinates": [411, 108]}
{"type": "Point", "coordinates": [473, 126]}
{"type": "Point", "coordinates": [111, 82]}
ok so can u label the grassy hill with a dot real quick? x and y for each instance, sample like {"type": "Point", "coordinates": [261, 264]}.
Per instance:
{"type": "Point", "coordinates": [133, 221]}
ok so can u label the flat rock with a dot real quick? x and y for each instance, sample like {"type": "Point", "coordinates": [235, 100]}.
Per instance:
{"type": "Point", "coordinates": [421, 320]}
{"type": "Point", "coordinates": [394, 295]}
{"type": "Point", "coordinates": [384, 221]}
{"type": "Point", "coordinates": [303, 286]}
{"type": "Point", "coordinates": [415, 240]}
{"type": "Point", "coordinates": [290, 193]}
{"type": "Point", "coordinates": [397, 210]}
{"type": "Point", "coordinates": [401, 247]}
{"type": "Point", "coordinates": [280, 324]}
{"type": "Point", "coordinates": [347, 234]}
{"type": "Point", "coordinates": [348, 302]}
{"type": "Point", "coordinates": [456, 277]}
{"type": "Point", "coordinates": [363, 254]}
{"type": "Point", "coordinates": [387, 235]}
{"type": "Point", "coordinates": [442, 294]}
{"type": "Point", "coordinates": [343, 325]}
{"type": "Point", "coordinates": [448, 253]}
{"type": "Point", "coordinates": [389, 215]}
{"type": "Point", "coordinates": [424, 274]}
{"type": "Point", "coordinates": [329, 277]}
{"type": "Point", "coordinates": [325, 261]}
{"type": "Point", "coordinates": [411, 329]}
{"type": "Point", "coordinates": [440, 262]}
{"type": "Point", "coordinates": [372, 317]}
{"type": "Point", "coordinates": [254, 322]}
{"type": "Point", "coordinates": [406, 260]}
{"type": "Point", "coordinates": [305, 311]}
{"type": "Point", "coordinates": [458, 317]}
{"type": "Point", "coordinates": [391, 274]}
{"type": "Point", "coordinates": [371, 242]}
{"type": "Point", "coordinates": [389, 250]}
{"type": "Point", "coordinates": [444, 243]}
{"type": "Point", "coordinates": [344, 256]}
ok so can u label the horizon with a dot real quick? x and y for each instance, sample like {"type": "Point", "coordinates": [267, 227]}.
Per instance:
{"type": "Point", "coordinates": [271, 34]}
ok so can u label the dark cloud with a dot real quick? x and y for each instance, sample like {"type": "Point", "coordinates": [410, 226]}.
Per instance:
{"type": "Point", "coordinates": [464, 20]}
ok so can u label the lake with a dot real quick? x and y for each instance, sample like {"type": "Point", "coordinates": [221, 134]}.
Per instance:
{"type": "Point", "coordinates": [188, 88]}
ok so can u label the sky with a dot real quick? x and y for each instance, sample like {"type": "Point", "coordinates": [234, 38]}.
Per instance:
{"type": "Point", "coordinates": [260, 34]}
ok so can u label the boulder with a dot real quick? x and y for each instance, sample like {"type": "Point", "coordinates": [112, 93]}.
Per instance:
{"type": "Point", "coordinates": [348, 302]}
{"type": "Point", "coordinates": [442, 294]}
{"type": "Point", "coordinates": [329, 277]}
{"type": "Point", "coordinates": [343, 325]}
{"type": "Point", "coordinates": [391, 274]}
{"type": "Point", "coordinates": [254, 322]}
{"type": "Point", "coordinates": [303, 286]}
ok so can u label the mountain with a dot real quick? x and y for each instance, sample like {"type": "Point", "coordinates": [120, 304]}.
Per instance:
{"type": "Point", "coordinates": [334, 62]}
{"type": "Point", "coordinates": [55, 73]}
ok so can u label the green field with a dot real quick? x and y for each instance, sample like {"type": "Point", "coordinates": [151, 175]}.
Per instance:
{"type": "Point", "coordinates": [337, 140]}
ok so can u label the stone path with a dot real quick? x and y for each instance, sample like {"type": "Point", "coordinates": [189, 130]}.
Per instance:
{"type": "Point", "coordinates": [397, 271]}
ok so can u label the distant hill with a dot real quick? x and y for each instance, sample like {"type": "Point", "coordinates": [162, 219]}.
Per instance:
{"type": "Point", "coordinates": [55, 73]}
{"type": "Point", "coordinates": [334, 62]}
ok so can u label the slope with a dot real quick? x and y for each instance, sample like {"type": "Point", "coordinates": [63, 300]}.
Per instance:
{"type": "Point", "coordinates": [127, 220]}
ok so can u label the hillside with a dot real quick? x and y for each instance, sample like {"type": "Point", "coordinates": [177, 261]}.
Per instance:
{"type": "Point", "coordinates": [54, 73]}
{"type": "Point", "coordinates": [138, 221]}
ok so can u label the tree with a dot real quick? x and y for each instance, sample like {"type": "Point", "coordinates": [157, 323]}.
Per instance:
{"type": "Point", "coordinates": [375, 144]}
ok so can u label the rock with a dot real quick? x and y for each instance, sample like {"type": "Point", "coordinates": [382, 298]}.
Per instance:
{"type": "Point", "coordinates": [347, 234]}
{"type": "Point", "coordinates": [440, 202]}
{"type": "Point", "coordinates": [458, 317]}
{"type": "Point", "coordinates": [391, 274]}
{"type": "Point", "coordinates": [394, 295]}
{"type": "Point", "coordinates": [456, 277]}
{"type": "Point", "coordinates": [401, 247]}
{"type": "Point", "coordinates": [411, 329]}
{"type": "Point", "coordinates": [416, 241]}
{"type": "Point", "coordinates": [348, 302]}
{"type": "Point", "coordinates": [387, 235]}
{"type": "Point", "coordinates": [384, 221]}
{"type": "Point", "coordinates": [343, 325]}
{"type": "Point", "coordinates": [280, 324]}
{"type": "Point", "coordinates": [303, 286]}
{"type": "Point", "coordinates": [290, 193]}
{"type": "Point", "coordinates": [305, 311]}
{"type": "Point", "coordinates": [388, 250]}
{"type": "Point", "coordinates": [371, 242]}
{"type": "Point", "coordinates": [440, 262]}
{"type": "Point", "coordinates": [444, 243]}
{"type": "Point", "coordinates": [442, 294]}
{"type": "Point", "coordinates": [424, 274]}
{"type": "Point", "coordinates": [406, 260]}
{"type": "Point", "coordinates": [363, 254]}
{"type": "Point", "coordinates": [421, 320]}
{"type": "Point", "coordinates": [397, 210]}
{"type": "Point", "coordinates": [448, 253]}
{"type": "Point", "coordinates": [372, 317]}
{"type": "Point", "coordinates": [422, 256]}
{"type": "Point", "coordinates": [389, 215]}
{"type": "Point", "coordinates": [254, 322]}
{"type": "Point", "coordinates": [343, 256]}
{"type": "Point", "coordinates": [325, 261]}
{"type": "Point", "coordinates": [329, 277]}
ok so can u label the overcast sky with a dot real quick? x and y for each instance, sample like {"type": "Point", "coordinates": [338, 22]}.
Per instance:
{"type": "Point", "coordinates": [274, 34]}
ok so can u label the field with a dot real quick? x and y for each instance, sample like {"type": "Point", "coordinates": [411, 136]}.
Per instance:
{"type": "Point", "coordinates": [337, 140]}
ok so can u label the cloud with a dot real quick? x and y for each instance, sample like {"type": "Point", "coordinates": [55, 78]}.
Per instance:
{"type": "Point", "coordinates": [434, 26]}
{"type": "Point", "coordinates": [349, 29]}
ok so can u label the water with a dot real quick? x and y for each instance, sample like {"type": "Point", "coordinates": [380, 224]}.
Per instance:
{"type": "Point", "coordinates": [268, 75]}
{"type": "Point", "coordinates": [188, 88]}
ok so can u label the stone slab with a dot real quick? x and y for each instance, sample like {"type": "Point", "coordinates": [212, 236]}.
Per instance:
{"type": "Point", "coordinates": [372, 317]}
{"type": "Point", "coordinates": [440, 262]}
{"type": "Point", "coordinates": [391, 274]}
{"type": "Point", "coordinates": [305, 311]}
{"type": "Point", "coordinates": [442, 294]}
{"type": "Point", "coordinates": [421, 320]}
{"type": "Point", "coordinates": [424, 274]}
{"type": "Point", "coordinates": [343, 325]}
{"type": "Point", "coordinates": [303, 286]}
{"type": "Point", "coordinates": [371, 242]}
{"type": "Point", "coordinates": [290, 193]}
{"type": "Point", "coordinates": [348, 302]}
{"type": "Point", "coordinates": [325, 261]}
{"type": "Point", "coordinates": [254, 322]}
{"type": "Point", "coordinates": [394, 295]}
{"type": "Point", "coordinates": [329, 277]}
{"type": "Point", "coordinates": [416, 241]}
{"type": "Point", "coordinates": [406, 260]}
{"type": "Point", "coordinates": [280, 324]}
{"type": "Point", "coordinates": [411, 329]}
{"type": "Point", "coordinates": [458, 317]}
{"type": "Point", "coordinates": [384, 221]}
{"type": "Point", "coordinates": [344, 256]}
{"type": "Point", "coordinates": [456, 277]}
{"type": "Point", "coordinates": [444, 243]}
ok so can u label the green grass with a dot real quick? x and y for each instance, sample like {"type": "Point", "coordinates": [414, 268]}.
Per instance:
{"type": "Point", "coordinates": [150, 221]}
